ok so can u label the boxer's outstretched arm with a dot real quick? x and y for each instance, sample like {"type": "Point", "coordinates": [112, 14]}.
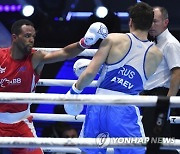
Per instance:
{"type": "Point", "coordinates": [95, 32]}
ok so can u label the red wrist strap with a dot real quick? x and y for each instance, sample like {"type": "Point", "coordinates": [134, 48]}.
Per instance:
{"type": "Point", "coordinates": [83, 45]}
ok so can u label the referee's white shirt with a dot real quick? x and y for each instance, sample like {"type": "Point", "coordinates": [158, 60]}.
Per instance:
{"type": "Point", "coordinates": [170, 47]}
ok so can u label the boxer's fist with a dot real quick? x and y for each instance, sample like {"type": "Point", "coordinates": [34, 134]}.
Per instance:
{"type": "Point", "coordinates": [96, 31]}
{"type": "Point", "coordinates": [80, 65]}
{"type": "Point", "coordinates": [73, 109]}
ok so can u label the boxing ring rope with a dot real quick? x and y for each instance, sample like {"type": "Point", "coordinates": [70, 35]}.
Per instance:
{"type": "Point", "coordinates": [42, 98]}
{"type": "Point", "coordinates": [58, 117]}
{"type": "Point", "coordinates": [80, 99]}
{"type": "Point", "coordinates": [62, 82]}
{"type": "Point", "coordinates": [62, 149]}
{"type": "Point", "coordinates": [78, 118]}
{"type": "Point", "coordinates": [27, 142]}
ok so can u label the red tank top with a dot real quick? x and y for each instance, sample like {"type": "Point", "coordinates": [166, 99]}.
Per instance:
{"type": "Point", "coordinates": [16, 76]}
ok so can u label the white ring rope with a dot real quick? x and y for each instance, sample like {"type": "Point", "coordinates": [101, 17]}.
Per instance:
{"type": "Point", "coordinates": [78, 118]}
{"type": "Point", "coordinates": [29, 142]}
{"type": "Point", "coordinates": [86, 52]}
{"type": "Point", "coordinates": [42, 98]}
{"type": "Point", "coordinates": [69, 83]}
{"type": "Point", "coordinates": [57, 82]}
{"type": "Point", "coordinates": [72, 150]}
{"type": "Point", "coordinates": [57, 117]}
{"type": "Point", "coordinates": [63, 150]}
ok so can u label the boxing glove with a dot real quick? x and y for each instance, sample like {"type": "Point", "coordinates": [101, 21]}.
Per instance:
{"type": "Point", "coordinates": [96, 31]}
{"type": "Point", "coordinates": [80, 65]}
{"type": "Point", "coordinates": [73, 109]}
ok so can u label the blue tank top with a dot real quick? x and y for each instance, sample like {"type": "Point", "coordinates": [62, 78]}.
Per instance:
{"type": "Point", "coordinates": [128, 75]}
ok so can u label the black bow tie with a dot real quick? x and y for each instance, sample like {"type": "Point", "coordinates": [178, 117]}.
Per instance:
{"type": "Point", "coordinates": [153, 39]}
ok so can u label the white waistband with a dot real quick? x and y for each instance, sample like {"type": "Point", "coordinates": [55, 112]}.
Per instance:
{"type": "Point", "coordinates": [101, 91]}
{"type": "Point", "coordinates": [10, 118]}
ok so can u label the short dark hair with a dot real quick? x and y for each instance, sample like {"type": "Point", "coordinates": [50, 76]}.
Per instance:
{"type": "Point", "coordinates": [163, 11]}
{"type": "Point", "coordinates": [16, 27]}
{"type": "Point", "coordinates": [142, 15]}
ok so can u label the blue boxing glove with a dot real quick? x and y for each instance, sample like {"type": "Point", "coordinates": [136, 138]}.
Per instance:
{"type": "Point", "coordinates": [95, 32]}
{"type": "Point", "coordinates": [73, 109]}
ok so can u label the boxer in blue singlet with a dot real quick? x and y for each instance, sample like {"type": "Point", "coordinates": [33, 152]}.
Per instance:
{"type": "Point", "coordinates": [128, 61]}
